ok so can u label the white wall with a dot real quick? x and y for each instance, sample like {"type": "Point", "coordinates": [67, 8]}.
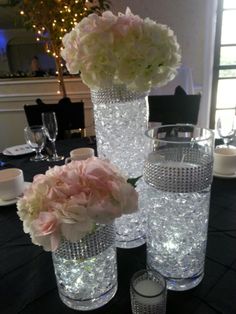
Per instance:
{"type": "Point", "coordinates": [193, 22]}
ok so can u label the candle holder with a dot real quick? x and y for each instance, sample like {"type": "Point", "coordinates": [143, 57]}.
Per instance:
{"type": "Point", "coordinates": [148, 292]}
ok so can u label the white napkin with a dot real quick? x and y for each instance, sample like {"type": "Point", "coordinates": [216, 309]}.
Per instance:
{"type": "Point", "coordinates": [18, 150]}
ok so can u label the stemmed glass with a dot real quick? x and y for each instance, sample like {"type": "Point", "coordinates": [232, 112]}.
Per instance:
{"type": "Point", "coordinates": [35, 137]}
{"type": "Point", "coordinates": [50, 123]}
{"type": "Point", "coordinates": [226, 129]}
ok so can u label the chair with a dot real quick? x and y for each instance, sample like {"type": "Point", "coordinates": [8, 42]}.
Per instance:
{"type": "Point", "coordinates": [177, 108]}
{"type": "Point", "coordinates": [70, 116]}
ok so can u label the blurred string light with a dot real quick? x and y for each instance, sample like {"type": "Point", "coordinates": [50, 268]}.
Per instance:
{"type": "Point", "coordinates": [52, 19]}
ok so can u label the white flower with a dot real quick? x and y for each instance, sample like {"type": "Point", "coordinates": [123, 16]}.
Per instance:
{"type": "Point", "coordinates": [123, 49]}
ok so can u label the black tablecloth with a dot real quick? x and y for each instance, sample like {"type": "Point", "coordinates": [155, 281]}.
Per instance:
{"type": "Point", "coordinates": [27, 280]}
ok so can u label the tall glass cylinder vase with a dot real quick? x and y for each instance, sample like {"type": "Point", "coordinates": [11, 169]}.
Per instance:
{"type": "Point", "coordinates": [120, 121]}
{"type": "Point", "coordinates": [178, 168]}
{"type": "Point", "coordinates": [86, 271]}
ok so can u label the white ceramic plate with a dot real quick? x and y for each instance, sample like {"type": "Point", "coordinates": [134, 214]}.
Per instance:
{"type": "Point", "coordinates": [224, 176]}
{"type": "Point", "coordinates": [17, 150]}
{"type": "Point", "coordinates": [13, 201]}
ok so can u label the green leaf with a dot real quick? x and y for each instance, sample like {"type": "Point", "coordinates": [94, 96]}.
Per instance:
{"type": "Point", "coordinates": [133, 181]}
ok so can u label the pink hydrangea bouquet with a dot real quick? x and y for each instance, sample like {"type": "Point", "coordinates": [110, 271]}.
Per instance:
{"type": "Point", "coordinates": [69, 201]}
{"type": "Point", "coordinates": [122, 49]}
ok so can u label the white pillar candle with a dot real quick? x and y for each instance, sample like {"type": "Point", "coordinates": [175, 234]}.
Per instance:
{"type": "Point", "coordinates": [149, 292]}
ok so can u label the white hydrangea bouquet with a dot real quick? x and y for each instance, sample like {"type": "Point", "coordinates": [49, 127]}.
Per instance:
{"type": "Point", "coordinates": [68, 201]}
{"type": "Point", "coordinates": [122, 49]}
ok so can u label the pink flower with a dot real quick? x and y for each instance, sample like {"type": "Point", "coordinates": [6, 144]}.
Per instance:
{"type": "Point", "coordinates": [127, 22]}
{"type": "Point", "coordinates": [45, 228]}
{"type": "Point", "coordinates": [68, 201]}
{"type": "Point", "coordinates": [126, 195]}
{"type": "Point", "coordinates": [95, 23]}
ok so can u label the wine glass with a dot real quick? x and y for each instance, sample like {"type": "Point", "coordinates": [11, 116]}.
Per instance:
{"type": "Point", "coordinates": [226, 129]}
{"type": "Point", "coordinates": [35, 137]}
{"type": "Point", "coordinates": [50, 123]}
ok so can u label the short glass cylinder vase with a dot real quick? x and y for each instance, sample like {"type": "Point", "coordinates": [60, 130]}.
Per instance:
{"type": "Point", "coordinates": [121, 118]}
{"type": "Point", "coordinates": [178, 167]}
{"type": "Point", "coordinates": [86, 271]}
{"type": "Point", "coordinates": [148, 292]}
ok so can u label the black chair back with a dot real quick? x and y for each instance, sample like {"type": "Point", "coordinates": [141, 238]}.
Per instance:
{"type": "Point", "coordinates": [177, 108]}
{"type": "Point", "coordinates": [70, 116]}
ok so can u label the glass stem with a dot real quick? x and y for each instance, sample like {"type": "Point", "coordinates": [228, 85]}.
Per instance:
{"type": "Point", "coordinates": [38, 153]}
{"type": "Point", "coordinates": [226, 142]}
{"type": "Point", "coordinates": [54, 148]}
